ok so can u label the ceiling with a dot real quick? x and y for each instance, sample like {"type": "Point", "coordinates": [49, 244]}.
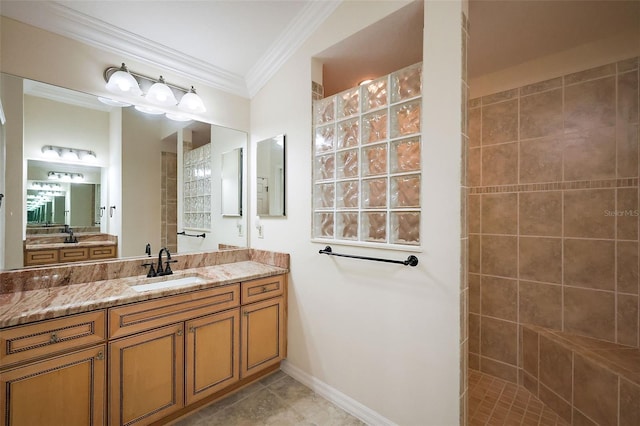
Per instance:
{"type": "Point", "coordinates": [237, 45]}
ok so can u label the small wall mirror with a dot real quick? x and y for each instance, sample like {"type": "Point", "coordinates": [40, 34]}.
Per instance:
{"type": "Point", "coordinates": [232, 183]}
{"type": "Point", "coordinates": [270, 188]}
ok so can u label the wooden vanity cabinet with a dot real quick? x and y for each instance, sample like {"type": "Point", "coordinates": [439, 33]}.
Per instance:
{"type": "Point", "coordinates": [263, 324]}
{"type": "Point", "coordinates": [212, 354]}
{"type": "Point", "coordinates": [146, 376]}
{"type": "Point", "coordinates": [49, 375]}
{"type": "Point", "coordinates": [147, 367]}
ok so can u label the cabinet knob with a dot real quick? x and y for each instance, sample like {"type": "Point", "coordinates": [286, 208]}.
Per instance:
{"type": "Point", "coordinates": [54, 338]}
{"type": "Point", "coordinates": [245, 313]}
{"type": "Point", "coordinates": [192, 329]}
{"type": "Point", "coordinates": [264, 289]}
{"type": "Point", "coordinates": [180, 332]}
{"type": "Point", "coordinates": [100, 356]}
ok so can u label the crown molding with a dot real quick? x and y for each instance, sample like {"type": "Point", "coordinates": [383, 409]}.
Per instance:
{"type": "Point", "coordinates": [59, 19]}
{"type": "Point", "coordinates": [292, 37]}
{"type": "Point", "coordinates": [59, 94]}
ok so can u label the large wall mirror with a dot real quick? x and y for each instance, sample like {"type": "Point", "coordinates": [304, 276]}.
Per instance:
{"type": "Point", "coordinates": [270, 177]}
{"type": "Point", "coordinates": [133, 187]}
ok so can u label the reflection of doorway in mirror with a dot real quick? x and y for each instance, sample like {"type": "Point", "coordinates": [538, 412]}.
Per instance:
{"type": "Point", "coordinates": [169, 201]}
{"type": "Point", "coordinates": [262, 188]}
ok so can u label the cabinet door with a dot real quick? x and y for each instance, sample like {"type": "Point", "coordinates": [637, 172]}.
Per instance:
{"type": "Point", "coordinates": [40, 257]}
{"type": "Point", "coordinates": [212, 354]}
{"type": "Point", "coordinates": [66, 390]}
{"type": "Point", "coordinates": [102, 252]}
{"type": "Point", "coordinates": [263, 340]}
{"type": "Point", "coordinates": [73, 254]}
{"type": "Point", "coordinates": [146, 373]}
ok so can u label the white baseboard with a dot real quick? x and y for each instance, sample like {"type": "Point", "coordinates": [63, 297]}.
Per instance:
{"type": "Point", "coordinates": [343, 401]}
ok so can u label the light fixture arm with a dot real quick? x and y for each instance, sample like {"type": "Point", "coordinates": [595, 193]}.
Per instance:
{"type": "Point", "coordinates": [111, 70]}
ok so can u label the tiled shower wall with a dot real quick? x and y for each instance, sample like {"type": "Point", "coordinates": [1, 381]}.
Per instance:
{"type": "Point", "coordinates": [464, 282]}
{"type": "Point", "coordinates": [553, 212]}
{"type": "Point", "coordinates": [169, 200]}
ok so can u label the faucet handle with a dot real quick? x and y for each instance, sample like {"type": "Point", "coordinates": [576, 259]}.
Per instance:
{"type": "Point", "coordinates": [167, 268]}
{"type": "Point", "coordinates": [152, 271]}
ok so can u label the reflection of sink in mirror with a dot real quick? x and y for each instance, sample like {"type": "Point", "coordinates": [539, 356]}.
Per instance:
{"type": "Point", "coordinates": [174, 282]}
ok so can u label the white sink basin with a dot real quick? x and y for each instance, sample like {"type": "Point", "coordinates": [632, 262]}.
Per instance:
{"type": "Point", "coordinates": [167, 283]}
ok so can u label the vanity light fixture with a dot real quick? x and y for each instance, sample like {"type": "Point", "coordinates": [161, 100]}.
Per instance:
{"type": "Point", "coordinates": [50, 151]}
{"type": "Point", "coordinates": [122, 82]}
{"type": "Point", "coordinates": [191, 102]}
{"type": "Point", "coordinates": [72, 154]}
{"type": "Point", "coordinates": [130, 86]}
{"type": "Point", "coordinates": [160, 94]}
{"type": "Point", "coordinates": [65, 177]}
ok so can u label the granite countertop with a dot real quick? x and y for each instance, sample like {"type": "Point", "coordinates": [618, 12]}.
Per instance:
{"type": "Point", "coordinates": [49, 246]}
{"type": "Point", "coordinates": [33, 305]}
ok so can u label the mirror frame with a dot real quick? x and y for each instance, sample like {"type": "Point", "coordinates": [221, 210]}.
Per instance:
{"type": "Point", "coordinates": [231, 182]}
{"type": "Point", "coordinates": [265, 163]}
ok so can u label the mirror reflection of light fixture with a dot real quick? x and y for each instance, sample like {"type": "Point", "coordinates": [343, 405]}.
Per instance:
{"type": "Point", "coordinates": [158, 92]}
{"type": "Point", "coordinates": [72, 154]}
{"type": "Point", "coordinates": [177, 117]}
{"type": "Point", "coordinates": [65, 177]}
{"type": "Point", "coordinates": [50, 152]}
{"type": "Point", "coordinates": [149, 110]}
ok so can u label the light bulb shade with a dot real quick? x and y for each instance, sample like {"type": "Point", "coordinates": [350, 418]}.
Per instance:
{"type": "Point", "coordinates": [123, 82]}
{"type": "Point", "coordinates": [191, 102]}
{"type": "Point", "coordinates": [70, 154]}
{"type": "Point", "coordinates": [50, 152]}
{"type": "Point", "coordinates": [88, 156]}
{"type": "Point", "coordinates": [148, 110]}
{"type": "Point", "coordinates": [161, 94]}
{"type": "Point", "coordinates": [177, 117]}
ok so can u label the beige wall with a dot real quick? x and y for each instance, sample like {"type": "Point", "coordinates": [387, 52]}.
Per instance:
{"type": "Point", "coordinates": [141, 197]}
{"type": "Point", "coordinates": [48, 122]}
{"type": "Point", "coordinates": [14, 214]}
{"type": "Point", "coordinates": [386, 336]}
{"type": "Point", "coordinates": [589, 55]}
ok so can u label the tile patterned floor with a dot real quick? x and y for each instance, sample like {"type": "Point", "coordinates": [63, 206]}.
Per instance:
{"type": "Point", "coordinates": [279, 400]}
{"type": "Point", "coordinates": [275, 400]}
{"type": "Point", "coordinates": [493, 402]}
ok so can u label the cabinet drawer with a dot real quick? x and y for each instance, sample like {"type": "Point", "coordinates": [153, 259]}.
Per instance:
{"type": "Point", "coordinates": [261, 289]}
{"type": "Point", "coordinates": [105, 252]}
{"type": "Point", "coordinates": [74, 254]}
{"type": "Point", "coordinates": [142, 316]}
{"type": "Point", "coordinates": [26, 342]}
{"type": "Point", "coordinates": [40, 257]}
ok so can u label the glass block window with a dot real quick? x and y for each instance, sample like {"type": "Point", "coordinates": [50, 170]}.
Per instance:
{"type": "Point", "coordinates": [366, 166]}
{"type": "Point", "coordinates": [197, 188]}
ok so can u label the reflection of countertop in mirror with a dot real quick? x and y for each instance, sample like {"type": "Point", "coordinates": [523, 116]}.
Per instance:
{"type": "Point", "coordinates": [45, 246]}
{"type": "Point", "coordinates": [26, 306]}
